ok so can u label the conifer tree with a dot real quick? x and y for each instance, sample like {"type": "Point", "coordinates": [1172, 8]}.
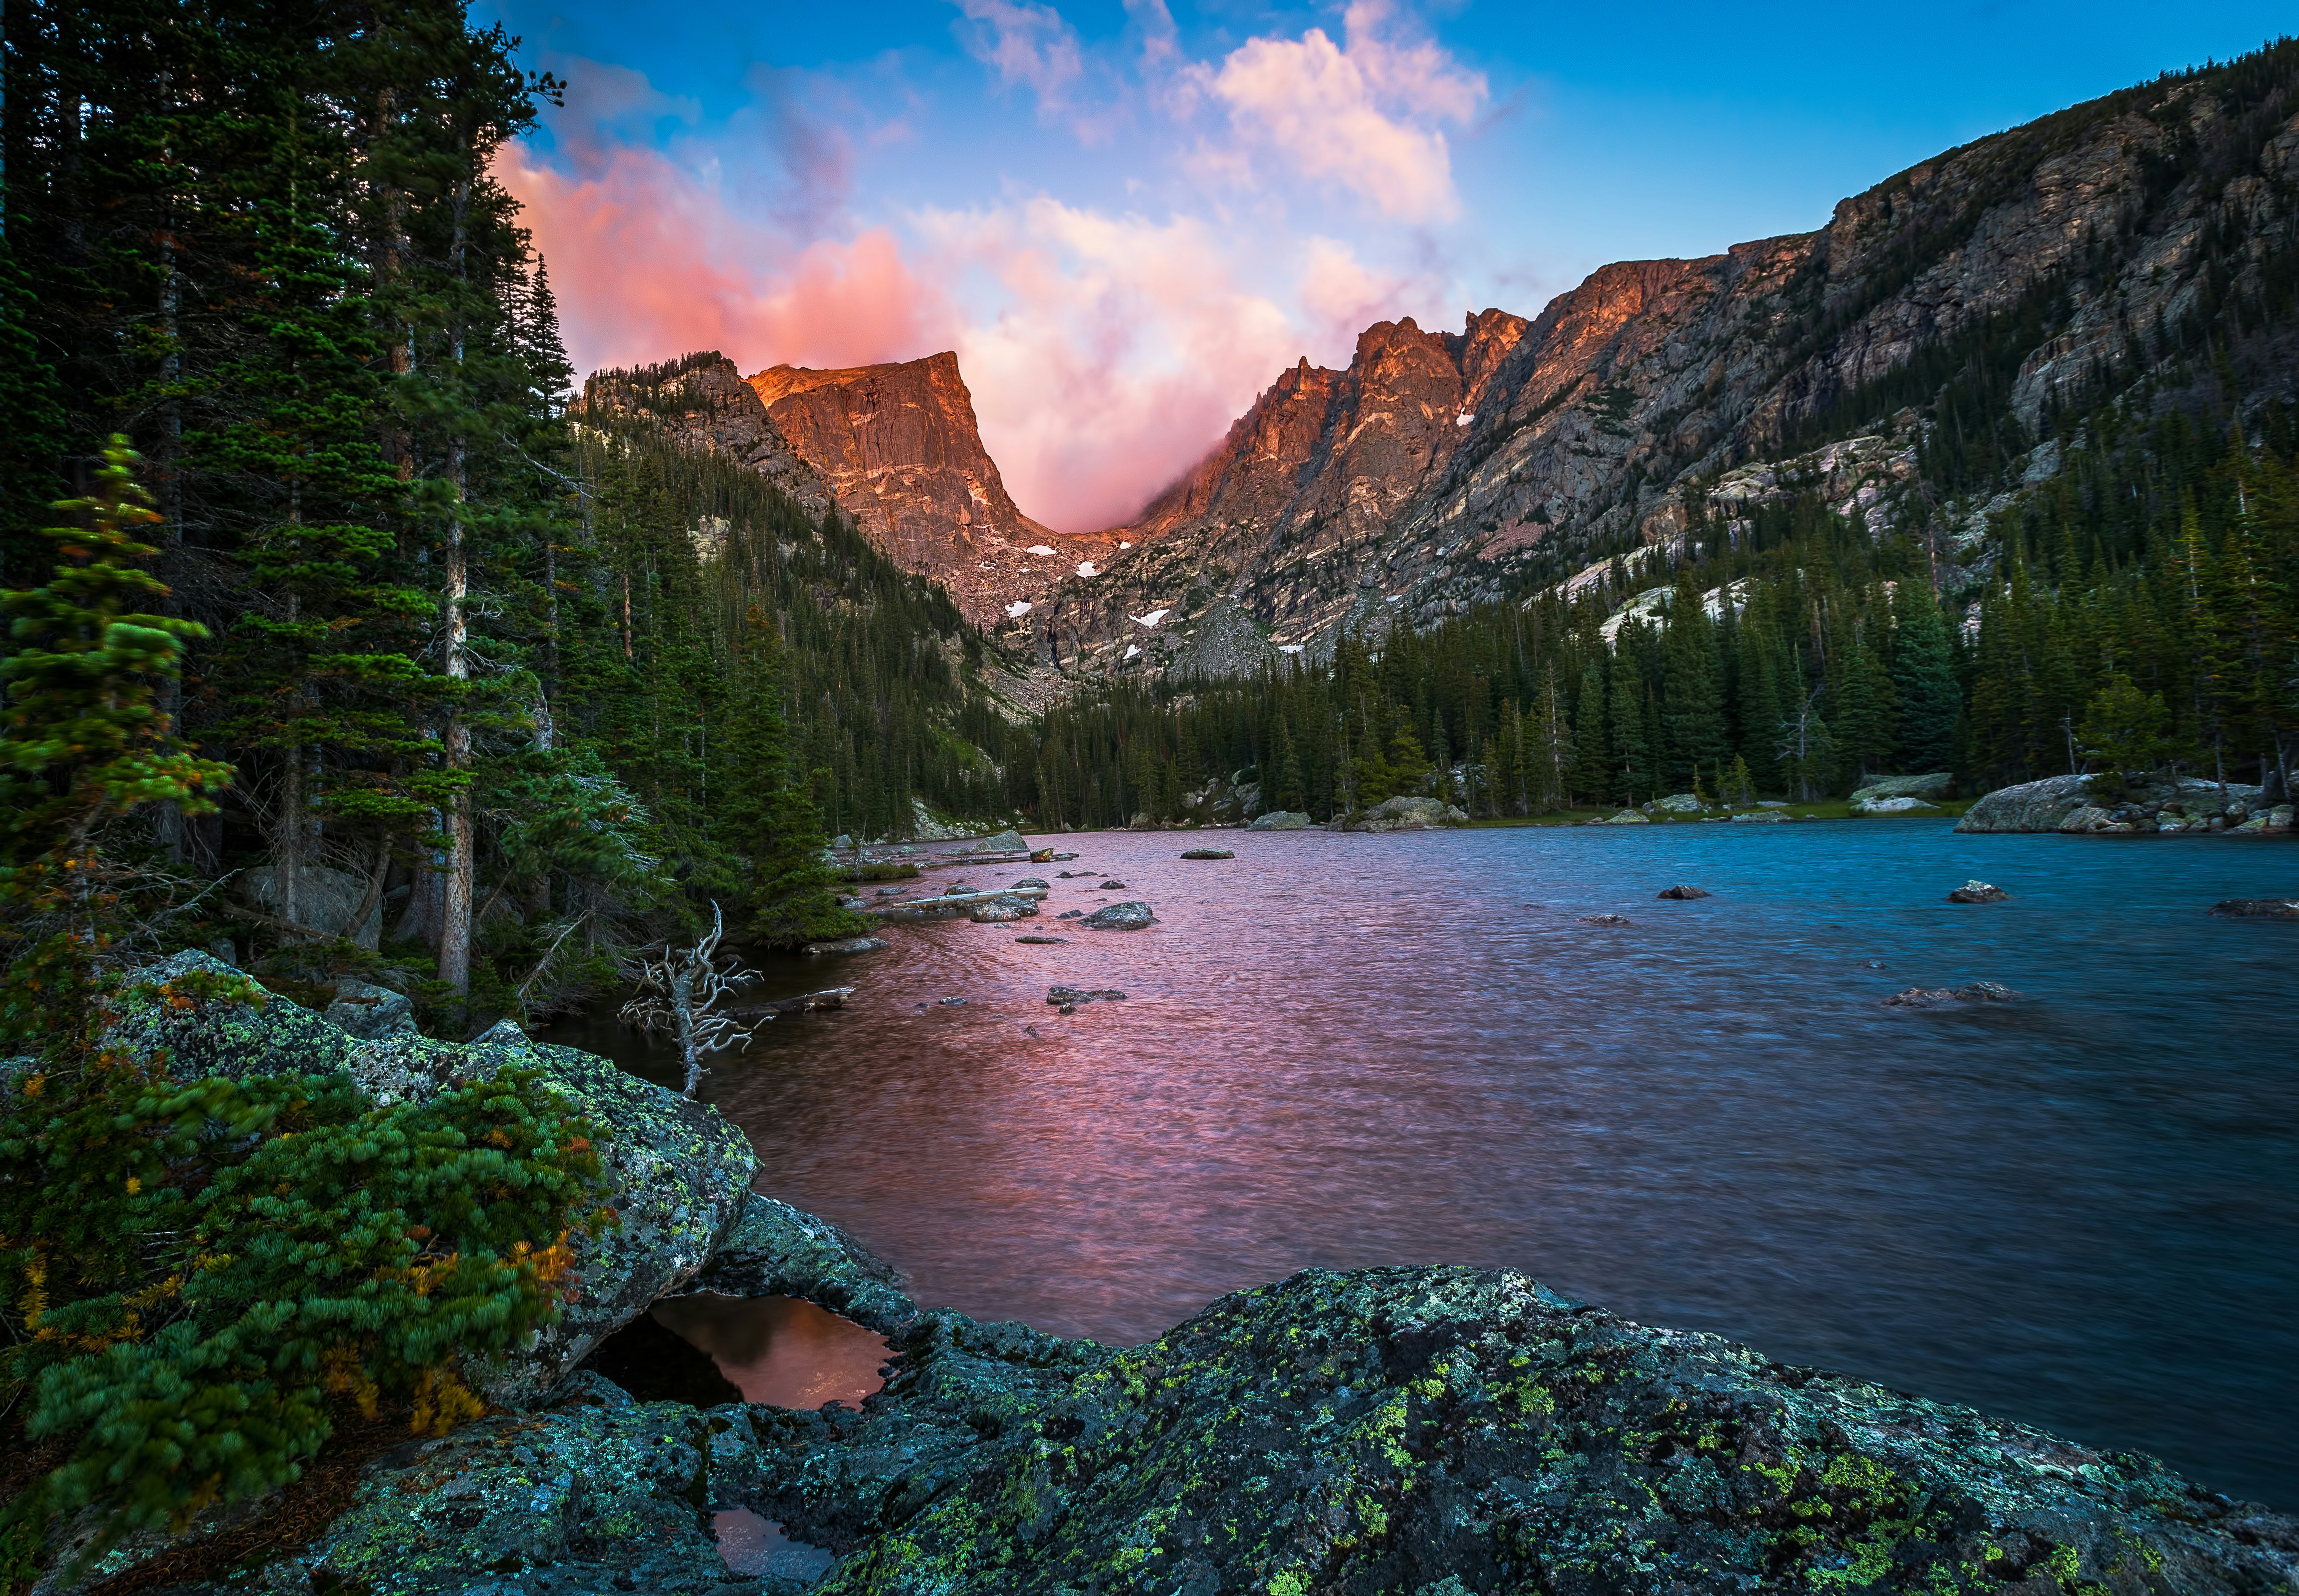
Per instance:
{"type": "Point", "coordinates": [770, 816]}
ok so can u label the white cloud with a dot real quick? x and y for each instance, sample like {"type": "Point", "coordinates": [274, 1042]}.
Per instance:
{"type": "Point", "coordinates": [1361, 115]}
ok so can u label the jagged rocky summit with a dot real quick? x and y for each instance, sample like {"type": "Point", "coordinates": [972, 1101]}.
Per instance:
{"type": "Point", "coordinates": [897, 448]}
{"type": "Point", "coordinates": [1435, 1431]}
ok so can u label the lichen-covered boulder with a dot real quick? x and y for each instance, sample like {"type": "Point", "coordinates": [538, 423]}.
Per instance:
{"type": "Point", "coordinates": [596, 1493]}
{"type": "Point", "coordinates": [2030, 806]}
{"type": "Point", "coordinates": [1930, 785]}
{"type": "Point", "coordinates": [677, 1171]}
{"type": "Point", "coordinates": [1408, 814]}
{"type": "Point", "coordinates": [773, 1250]}
{"type": "Point", "coordinates": [1458, 1431]}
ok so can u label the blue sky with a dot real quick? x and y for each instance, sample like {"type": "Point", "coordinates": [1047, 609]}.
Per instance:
{"type": "Point", "coordinates": [1127, 217]}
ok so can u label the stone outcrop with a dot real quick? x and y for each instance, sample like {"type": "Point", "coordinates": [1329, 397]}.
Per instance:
{"type": "Point", "coordinates": [703, 401]}
{"type": "Point", "coordinates": [1408, 814]}
{"type": "Point", "coordinates": [2090, 805]}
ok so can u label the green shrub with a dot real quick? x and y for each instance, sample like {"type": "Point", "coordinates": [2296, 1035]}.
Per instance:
{"type": "Point", "coordinates": [198, 1274]}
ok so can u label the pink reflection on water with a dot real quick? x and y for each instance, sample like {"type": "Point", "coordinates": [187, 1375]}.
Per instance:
{"type": "Point", "coordinates": [781, 1350]}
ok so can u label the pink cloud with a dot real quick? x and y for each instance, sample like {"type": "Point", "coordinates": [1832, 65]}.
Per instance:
{"type": "Point", "coordinates": [1121, 351]}
{"type": "Point", "coordinates": [1356, 116]}
{"type": "Point", "coordinates": [648, 262]}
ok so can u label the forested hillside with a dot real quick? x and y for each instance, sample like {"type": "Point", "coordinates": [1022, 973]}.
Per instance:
{"type": "Point", "coordinates": [484, 696]}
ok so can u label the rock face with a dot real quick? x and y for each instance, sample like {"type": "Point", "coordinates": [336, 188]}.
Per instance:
{"type": "Point", "coordinates": [676, 1170]}
{"type": "Point", "coordinates": [902, 453]}
{"type": "Point", "coordinates": [1929, 786]}
{"type": "Point", "coordinates": [326, 899]}
{"type": "Point", "coordinates": [704, 401]}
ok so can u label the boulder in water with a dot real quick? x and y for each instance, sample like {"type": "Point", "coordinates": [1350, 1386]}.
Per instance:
{"type": "Point", "coordinates": [2257, 909]}
{"type": "Point", "coordinates": [1934, 997]}
{"type": "Point", "coordinates": [1281, 820]}
{"type": "Point", "coordinates": [1976, 891]}
{"type": "Point", "coordinates": [1677, 804]}
{"type": "Point", "coordinates": [1079, 994]}
{"type": "Point", "coordinates": [1893, 806]}
{"type": "Point", "coordinates": [1607, 919]}
{"type": "Point", "coordinates": [1113, 887]}
{"type": "Point", "coordinates": [1129, 915]}
{"type": "Point", "coordinates": [1684, 893]}
{"type": "Point", "coordinates": [1208, 853]}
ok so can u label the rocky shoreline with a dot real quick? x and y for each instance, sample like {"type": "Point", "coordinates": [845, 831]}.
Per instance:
{"type": "Point", "coordinates": [1438, 1431]}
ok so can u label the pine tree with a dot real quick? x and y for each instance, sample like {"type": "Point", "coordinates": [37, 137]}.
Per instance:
{"type": "Point", "coordinates": [1923, 679]}
{"type": "Point", "coordinates": [769, 815]}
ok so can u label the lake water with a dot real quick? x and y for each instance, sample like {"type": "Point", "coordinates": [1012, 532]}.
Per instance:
{"type": "Point", "coordinates": [2080, 1211]}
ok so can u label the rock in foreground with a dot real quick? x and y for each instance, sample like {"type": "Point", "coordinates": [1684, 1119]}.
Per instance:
{"type": "Point", "coordinates": [1684, 893]}
{"type": "Point", "coordinates": [1976, 891]}
{"type": "Point", "coordinates": [1454, 1431]}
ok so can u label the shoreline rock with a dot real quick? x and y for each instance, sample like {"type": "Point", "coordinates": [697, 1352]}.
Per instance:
{"type": "Point", "coordinates": [1129, 915]}
{"type": "Point", "coordinates": [2153, 805]}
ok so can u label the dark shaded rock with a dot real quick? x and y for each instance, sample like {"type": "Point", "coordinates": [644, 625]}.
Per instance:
{"type": "Point", "coordinates": [1935, 997]}
{"type": "Point", "coordinates": [1684, 893]}
{"type": "Point", "coordinates": [1069, 996]}
{"type": "Point", "coordinates": [1131, 916]}
{"type": "Point", "coordinates": [1453, 1430]}
{"type": "Point", "coordinates": [1032, 881]}
{"type": "Point", "coordinates": [370, 1012]}
{"type": "Point", "coordinates": [1208, 853]}
{"type": "Point", "coordinates": [1113, 887]}
{"type": "Point", "coordinates": [1071, 914]}
{"type": "Point", "coordinates": [1606, 920]}
{"type": "Point", "coordinates": [1979, 892]}
{"type": "Point", "coordinates": [2258, 909]}
{"type": "Point", "coordinates": [1043, 941]}
{"type": "Point", "coordinates": [655, 1363]}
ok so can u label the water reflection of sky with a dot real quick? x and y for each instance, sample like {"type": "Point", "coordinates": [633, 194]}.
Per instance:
{"type": "Point", "coordinates": [2082, 1211]}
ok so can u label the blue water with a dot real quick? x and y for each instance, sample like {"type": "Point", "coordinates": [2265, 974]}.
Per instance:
{"type": "Point", "coordinates": [2080, 1211]}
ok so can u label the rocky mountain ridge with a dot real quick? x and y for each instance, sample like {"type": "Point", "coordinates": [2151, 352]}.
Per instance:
{"type": "Point", "coordinates": [1443, 470]}
{"type": "Point", "coordinates": [1439, 470]}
